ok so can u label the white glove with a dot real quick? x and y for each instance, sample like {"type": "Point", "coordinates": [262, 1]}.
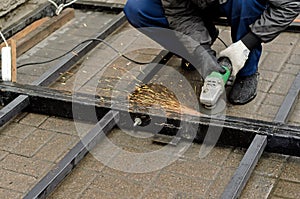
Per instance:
{"type": "Point", "coordinates": [238, 54]}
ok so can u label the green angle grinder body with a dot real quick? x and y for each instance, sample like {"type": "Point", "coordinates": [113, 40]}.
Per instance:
{"type": "Point", "coordinates": [214, 88]}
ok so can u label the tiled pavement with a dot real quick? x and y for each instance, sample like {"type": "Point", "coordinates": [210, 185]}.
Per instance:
{"type": "Point", "coordinates": [32, 144]}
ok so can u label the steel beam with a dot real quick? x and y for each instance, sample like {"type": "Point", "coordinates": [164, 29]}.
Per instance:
{"type": "Point", "coordinates": [289, 102]}
{"type": "Point", "coordinates": [254, 152]}
{"type": "Point", "coordinates": [245, 169]}
{"type": "Point", "coordinates": [13, 108]}
{"type": "Point", "coordinates": [77, 153]}
{"type": "Point", "coordinates": [282, 138]}
{"type": "Point", "coordinates": [53, 73]}
{"type": "Point", "coordinates": [73, 157]}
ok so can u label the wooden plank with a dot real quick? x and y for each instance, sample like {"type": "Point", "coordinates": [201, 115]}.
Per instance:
{"type": "Point", "coordinates": [13, 60]}
{"type": "Point", "coordinates": [39, 30]}
{"type": "Point", "coordinates": [44, 30]}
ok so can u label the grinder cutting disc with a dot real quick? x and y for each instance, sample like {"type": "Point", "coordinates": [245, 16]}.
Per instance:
{"type": "Point", "coordinates": [219, 107]}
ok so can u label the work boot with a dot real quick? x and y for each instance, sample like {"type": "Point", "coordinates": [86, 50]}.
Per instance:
{"type": "Point", "coordinates": [243, 89]}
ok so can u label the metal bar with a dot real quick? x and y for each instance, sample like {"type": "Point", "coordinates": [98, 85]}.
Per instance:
{"type": "Point", "coordinates": [52, 74]}
{"type": "Point", "coordinates": [254, 152]}
{"type": "Point", "coordinates": [77, 153]}
{"type": "Point", "coordinates": [13, 108]}
{"type": "Point", "coordinates": [289, 102]}
{"type": "Point", "coordinates": [44, 10]}
{"type": "Point", "coordinates": [245, 169]}
{"type": "Point", "coordinates": [283, 138]}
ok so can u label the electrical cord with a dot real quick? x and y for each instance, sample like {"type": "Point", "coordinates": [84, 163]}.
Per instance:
{"type": "Point", "coordinates": [81, 43]}
{"type": "Point", "coordinates": [94, 39]}
{"type": "Point", "coordinates": [223, 42]}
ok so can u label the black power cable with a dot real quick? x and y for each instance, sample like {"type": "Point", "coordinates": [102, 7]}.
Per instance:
{"type": "Point", "coordinates": [94, 39]}
{"type": "Point", "coordinates": [72, 51]}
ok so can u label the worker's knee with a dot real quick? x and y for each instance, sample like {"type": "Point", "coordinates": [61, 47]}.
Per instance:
{"type": "Point", "coordinates": [146, 13]}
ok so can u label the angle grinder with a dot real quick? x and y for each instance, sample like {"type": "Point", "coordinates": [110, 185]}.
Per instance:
{"type": "Point", "coordinates": [213, 88]}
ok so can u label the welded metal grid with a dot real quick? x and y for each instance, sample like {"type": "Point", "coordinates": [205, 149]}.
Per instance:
{"type": "Point", "coordinates": [274, 136]}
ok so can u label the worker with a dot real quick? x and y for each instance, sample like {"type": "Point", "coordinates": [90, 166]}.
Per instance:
{"type": "Point", "coordinates": [252, 22]}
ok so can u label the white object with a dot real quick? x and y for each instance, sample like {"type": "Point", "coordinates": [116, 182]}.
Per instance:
{"type": "Point", "coordinates": [211, 91]}
{"type": "Point", "coordinates": [6, 63]}
{"type": "Point", "coordinates": [60, 7]}
{"type": "Point", "coordinates": [238, 54]}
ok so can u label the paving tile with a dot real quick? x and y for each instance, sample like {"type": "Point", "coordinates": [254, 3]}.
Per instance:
{"type": "Point", "coordinates": [3, 154]}
{"type": "Point", "coordinates": [295, 116]}
{"type": "Point", "coordinates": [34, 119]}
{"type": "Point", "coordinates": [117, 185]}
{"type": "Point", "coordinates": [66, 126]}
{"type": "Point", "coordinates": [201, 170]}
{"type": "Point", "coordinates": [217, 156]}
{"type": "Point", "coordinates": [282, 84]}
{"type": "Point", "coordinates": [55, 147]}
{"type": "Point", "coordinates": [234, 158]}
{"type": "Point", "coordinates": [258, 187]}
{"type": "Point", "coordinates": [26, 79]}
{"type": "Point", "coordinates": [268, 110]}
{"type": "Point", "coordinates": [264, 86]}
{"type": "Point", "coordinates": [91, 163]}
{"type": "Point", "coordinates": [9, 194]}
{"type": "Point", "coordinates": [157, 192]}
{"type": "Point", "coordinates": [286, 38]}
{"type": "Point", "coordinates": [274, 99]}
{"type": "Point", "coordinates": [32, 143]}
{"type": "Point", "coordinates": [287, 189]}
{"type": "Point", "coordinates": [15, 181]}
{"type": "Point", "coordinates": [291, 172]}
{"type": "Point", "coordinates": [278, 47]}
{"type": "Point", "coordinates": [17, 130]}
{"type": "Point", "coordinates": [219, 184]}
{"type": "Point", "coordinates": [291, 69]}
{"type": "Point", "coordinates": [268, 75]}
{"type": "Point", "coordinates": [27, 166]}
{"type": "Point", "coordinates": [294, 59]}
{"type": "Point", "coordinates": [269, 167]}
{"type": "Point", "coordinates": [74, 184]}
{"type": "Point", "coordinates": [182, 183]}
{"type": "Point", "coordinates": [8, 143]}
{"type": "Point", "coordinates": [144, 178]}
{"type": "Point", "coordinates": [274, 61]}
{"type": "Point", "coordinates": [96, 193]}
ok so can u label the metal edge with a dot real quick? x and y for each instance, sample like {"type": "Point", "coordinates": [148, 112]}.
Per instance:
{"type": "Point", "coordinates": [52, 74]}
{"type": "Point", "coordinates": [241, 176]}
{"type": "Point", "coordinates": [65, 166]}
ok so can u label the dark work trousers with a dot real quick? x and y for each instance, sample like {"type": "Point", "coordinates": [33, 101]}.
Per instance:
{"type": "Point", "coordinates": [240, 14]}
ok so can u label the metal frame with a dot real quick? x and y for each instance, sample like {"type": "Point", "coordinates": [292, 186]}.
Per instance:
{"type": "Point", "coordinates": [282, 138]}
{"type": "Point", "coordinates": [48, 183]}
{"type": "Point", "coordinates": [45, 187]}
{"type": "Point", "coordinates": [247, 165]}
{"type": "Point", "coordinates": [16, 106]}
{"type": "Point", "coordinates": [274, 136]}
{"type": "Point", "coordinates": [258, 145]}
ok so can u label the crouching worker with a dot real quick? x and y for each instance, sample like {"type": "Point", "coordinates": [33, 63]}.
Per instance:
{"type": "Point", "coordinates": [252, 22]}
